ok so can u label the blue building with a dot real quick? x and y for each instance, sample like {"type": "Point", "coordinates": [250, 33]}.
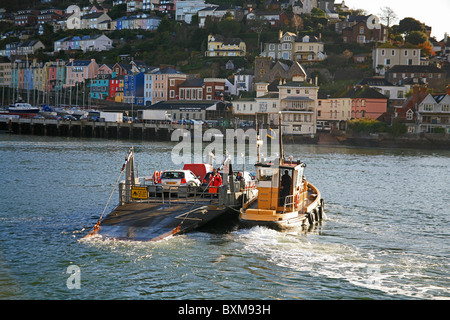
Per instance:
{"type": "Point", "coordinates": [100, 86]}
{"type": "Point", "coordinates": [133, 88]}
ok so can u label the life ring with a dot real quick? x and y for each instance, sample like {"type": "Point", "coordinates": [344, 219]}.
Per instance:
{"type": "Point", "coordinates": [297, 199]}
{"type": "Point", "coordinates": [157, 177]}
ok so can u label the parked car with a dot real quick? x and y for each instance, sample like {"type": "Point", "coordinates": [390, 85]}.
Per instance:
{"type": "Point", "coordinates": [69, 118]}
{"type": "Point", "coordinates": [175, 178]}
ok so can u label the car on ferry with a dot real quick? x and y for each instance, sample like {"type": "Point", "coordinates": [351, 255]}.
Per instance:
{"type": "Point", "coordinates": [248, 178]}
{"type": "Point", "coordinates": [176, 178]}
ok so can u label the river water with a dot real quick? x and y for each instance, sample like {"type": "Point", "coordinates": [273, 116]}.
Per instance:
{"type": "Point", "coordinates": [386, 235]}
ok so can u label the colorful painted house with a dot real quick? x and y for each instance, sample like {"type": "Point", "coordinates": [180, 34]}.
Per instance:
{"type": "Point", "coordinates": [366, 102]}
{"type": "Point", "coordinates": [133, 88]}
{"type": "Point", "coordinates": [100, 86]}
{"type": "Point", "coordinates": [80, 71]}
{"type": "Point", "coordinates": [165, 84]}
{"type": "Point", "coordinates": [115, 87]}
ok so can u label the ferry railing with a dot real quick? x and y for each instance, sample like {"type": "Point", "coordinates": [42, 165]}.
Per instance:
{"type": "Point", "coordinates": [172, 195]}
{"type": "Point", "coordinates": [289, 202]}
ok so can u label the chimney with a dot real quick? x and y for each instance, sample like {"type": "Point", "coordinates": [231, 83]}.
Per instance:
{"type": "Point", "coordinates": [416, 93]}
{"type": "Point", "coordinates": [424, 89]}
{"type": "Point", "coordinates": [448, 90]}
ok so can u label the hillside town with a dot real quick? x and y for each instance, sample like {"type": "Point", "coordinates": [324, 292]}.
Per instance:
{"type": "Point", "coordinates": [320, 64]}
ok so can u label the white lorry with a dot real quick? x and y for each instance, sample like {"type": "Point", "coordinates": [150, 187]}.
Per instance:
{"type": "Point", "coordinates": [111, 116]}
{"type": "Point", "coordinates": [154, 116]}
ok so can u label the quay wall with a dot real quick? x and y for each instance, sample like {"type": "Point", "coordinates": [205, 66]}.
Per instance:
{"type": "Point", "coordinates": [163, 132]}
{"type": "Point", "coordinates": [89, 129]}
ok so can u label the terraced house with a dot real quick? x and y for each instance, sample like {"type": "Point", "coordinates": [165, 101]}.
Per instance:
{"type": "Point", "coordinates": [84, 43]}
{"type": "Point", "coordinates": [78, 71]}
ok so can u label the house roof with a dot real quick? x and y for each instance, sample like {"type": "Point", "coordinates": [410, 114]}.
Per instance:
{"type": "Point", "coordinates": [79, 63]}
{"type": "Point", "coordinates": [297, 84]}
{"type": "Point", "coordinates": [168, 70]}
{"type": "Point", "coordinates": [192, 83]}
{"type": "Point", "coordinates": [415, 69]}
{"type": "Point", "coordinates": [93, 15]}
{"type": "Point", "coordinates": [180, 104]}
{"type": "Point", "coordinates": [438, 97]}
{"type": "Point", "coordinates": [220, 38]}
{"type": "Point", "coordinates": [379, 82]}
{"type": "Point", "coordinates": [362, 93]}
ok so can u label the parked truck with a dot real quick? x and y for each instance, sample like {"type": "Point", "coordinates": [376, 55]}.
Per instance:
{"type": "Point", "coordinates": [111, 116]}
{"type": "Point", "coordinates": [154, 116]}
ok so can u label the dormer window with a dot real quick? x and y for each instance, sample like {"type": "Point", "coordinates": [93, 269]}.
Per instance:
{"type": "Point", "coordinates": [409, 114]}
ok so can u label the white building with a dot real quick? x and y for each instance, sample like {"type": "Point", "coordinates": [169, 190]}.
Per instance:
{"type": "Point", "coordinates": [386, 56]}
{"type": "Point", "coordinates": [296, 101]}
{"type": "Point", "coordinates": [186, 9]}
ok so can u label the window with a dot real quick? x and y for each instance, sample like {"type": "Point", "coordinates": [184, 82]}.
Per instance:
{"type": "Point", "coordinates": [427, 107]}
{"type": "Point", "coordinates": [409, 114]}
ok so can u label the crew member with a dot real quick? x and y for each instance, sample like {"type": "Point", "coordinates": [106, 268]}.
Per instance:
{"type": "Point", "coordinates": [215, 181]}
{"type": "Point", "coordinates": [285, 186]}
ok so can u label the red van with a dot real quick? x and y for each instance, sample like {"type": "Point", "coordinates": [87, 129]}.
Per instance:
{"type": "Point", "coordinates": [199, 169]}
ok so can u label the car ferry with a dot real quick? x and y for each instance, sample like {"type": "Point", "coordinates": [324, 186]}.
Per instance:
{"type": "Point", "coordinates": [286, 199]}
{"type": "Point", "coordinates": [165, 205]}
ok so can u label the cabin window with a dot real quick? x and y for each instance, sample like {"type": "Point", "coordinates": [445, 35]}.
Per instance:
{"type": "Point", "coordinates": [265, 174]}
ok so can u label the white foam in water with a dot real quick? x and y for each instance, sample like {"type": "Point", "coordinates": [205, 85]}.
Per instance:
{"type": "Point", "coordinates": [335, 261]}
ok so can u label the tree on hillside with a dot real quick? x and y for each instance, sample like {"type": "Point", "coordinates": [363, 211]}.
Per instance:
{"type": "Point", "coordinates": [407, 25]}
{"type": "Point", "coordinates": [416, 37]}
{"type": "Point", "coordinates": [388, 16]}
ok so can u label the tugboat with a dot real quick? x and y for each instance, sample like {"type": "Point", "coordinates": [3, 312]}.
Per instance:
{"type": "Point", "coordinates": [286, 200]}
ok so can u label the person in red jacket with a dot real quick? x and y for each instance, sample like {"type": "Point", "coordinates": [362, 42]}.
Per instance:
{"type": "Point", "coordinates": [215, 181]}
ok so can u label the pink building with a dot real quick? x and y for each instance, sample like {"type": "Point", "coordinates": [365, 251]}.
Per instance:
{"type": "Point", "coordinates": [366, 102]}
{"type": "Point", "coordinates": [165, 84]}
{"type": "Point", "coordinates": [79, 71]}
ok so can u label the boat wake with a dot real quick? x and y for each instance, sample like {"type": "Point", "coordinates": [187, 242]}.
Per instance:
{"type": "Point", "coordinates": [309, 256]}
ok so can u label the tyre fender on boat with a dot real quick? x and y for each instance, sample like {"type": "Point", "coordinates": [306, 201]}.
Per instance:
{"type": "Point", "coordinates": [321, 208]}
{"type": "Point", "coordinates": [310, 217]}
{"type": "Point", "coordinates": [316, 214]}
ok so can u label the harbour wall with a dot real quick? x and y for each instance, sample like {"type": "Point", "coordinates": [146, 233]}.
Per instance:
{"type": "Point", "coordinates": [163, 132]}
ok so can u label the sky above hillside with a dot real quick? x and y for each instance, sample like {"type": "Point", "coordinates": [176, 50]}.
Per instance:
{"type": "Point", "coordinates": [434, 13]}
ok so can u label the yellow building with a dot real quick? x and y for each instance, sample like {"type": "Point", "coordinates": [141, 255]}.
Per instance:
{"type": "Point", "coordinates": [218, 46]}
